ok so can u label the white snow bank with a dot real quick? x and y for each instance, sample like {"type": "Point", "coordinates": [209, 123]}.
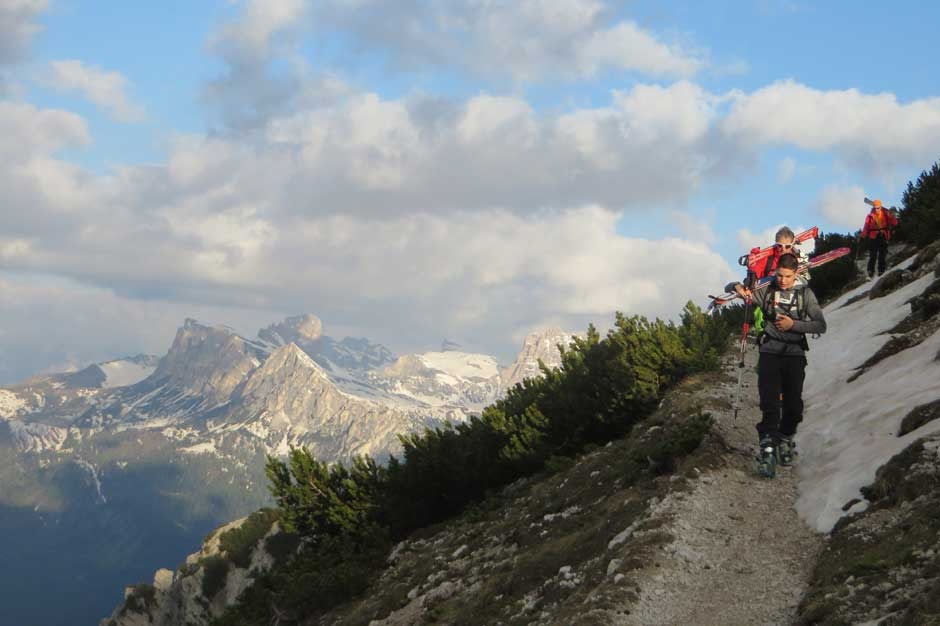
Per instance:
{"type": "Point", "coordinates": [461, 364]}
{"type": "Point", "coordinates": [122, 373]}
{"type": "Point", "coordinates": [850, 429]}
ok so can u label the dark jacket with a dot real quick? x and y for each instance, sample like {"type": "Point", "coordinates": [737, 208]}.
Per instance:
{"type": "Point", "coordinates": [811, 322]}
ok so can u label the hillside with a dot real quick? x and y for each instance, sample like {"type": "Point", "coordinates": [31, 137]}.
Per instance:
{"type": "Point", "coordinates": [670, 525]}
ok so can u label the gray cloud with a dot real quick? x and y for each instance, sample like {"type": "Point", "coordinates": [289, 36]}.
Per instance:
{"type": "Point", "coordinates": [18, 27]}
{"type": "Point", "coordinates": [527, 40]}
{"type": "Point", "coordinates": [266, 74]}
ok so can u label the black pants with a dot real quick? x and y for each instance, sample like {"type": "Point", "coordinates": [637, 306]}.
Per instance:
{"type": "Point", "coordinates": [776, 375]}
{"type": "Point", "coordinates": [877, 247]}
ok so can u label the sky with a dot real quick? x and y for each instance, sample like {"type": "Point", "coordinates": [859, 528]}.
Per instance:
{"type": "Point", "coordinates": [418, 171]}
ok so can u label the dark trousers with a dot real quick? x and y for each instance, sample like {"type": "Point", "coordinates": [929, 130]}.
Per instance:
{"type": "Point", "coordinates": [780, 375]}
{"type": "Point", "coordinates": [877, 247]}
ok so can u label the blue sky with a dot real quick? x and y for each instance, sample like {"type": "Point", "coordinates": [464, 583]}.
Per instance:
{"type": "Point", "coordinates": [504, 166]}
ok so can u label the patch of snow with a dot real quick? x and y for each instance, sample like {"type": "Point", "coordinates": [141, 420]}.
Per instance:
{"type": "Point", "coordinates": [10, 404]}
{"type": "Point", "coordinates": [36, 437]}
{"type": "Point", "coordinates": [461, 364]}
{"type": "Point", "coordinates": [207, 447]}
{"type": "Point", "coordinates": [850, 429]}
{"type": "Point", "coordinates": [94, 476]}
{"type": "Point", "coordinates": [122, 373]}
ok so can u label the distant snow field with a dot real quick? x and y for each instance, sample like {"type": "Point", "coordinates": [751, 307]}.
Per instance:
{"type": "Point", "coordinates": [462, 364]}
{"type": "Point", "coordinates": [850, 429]}
{"type": "Point", "coordinates": [122, 373]}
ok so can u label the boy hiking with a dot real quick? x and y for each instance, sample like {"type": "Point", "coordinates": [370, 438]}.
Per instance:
{"type": "Point", "coordinates": [790, 311]}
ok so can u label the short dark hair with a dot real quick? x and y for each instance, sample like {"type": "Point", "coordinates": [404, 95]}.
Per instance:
{"type": "Point", "coordinates": [788, 262]}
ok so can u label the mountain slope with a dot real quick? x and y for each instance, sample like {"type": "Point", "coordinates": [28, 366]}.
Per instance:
{"type": "Point", "coordinates": [713, 543]}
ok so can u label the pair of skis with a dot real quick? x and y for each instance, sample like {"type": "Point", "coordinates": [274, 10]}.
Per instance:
{"type": "Point", "coordinates": [816, 261]}
{"type": "Point", "coordinates": [752, 258]}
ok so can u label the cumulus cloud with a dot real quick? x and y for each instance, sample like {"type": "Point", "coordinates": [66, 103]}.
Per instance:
{"type": "Point", "coordinates": [251, 88]}
{"type": "Point", "coordinates": [871, 132]}
{"type": "Point", "coordinates": [105, 89]}
{"type": "Point", "coordinates": [694, 228]}
{"type": "Point", "coordinates": [843, 205]}
{"type": "Point", "coordinates": [527, 40]}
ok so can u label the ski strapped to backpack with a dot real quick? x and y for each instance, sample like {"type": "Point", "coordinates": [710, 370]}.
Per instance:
{"type": "Point", "coordinates": [757, 255]}
{"type": "Point", "coordinates": [816, 261]}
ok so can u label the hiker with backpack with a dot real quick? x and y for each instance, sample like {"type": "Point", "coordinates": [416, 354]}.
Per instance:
{"type": "Point", "coordinates": [879, 226]}
{"type": "Point", "coordinates": [784, 243]}
{"type": "Point", "coordinates": [790, 312]}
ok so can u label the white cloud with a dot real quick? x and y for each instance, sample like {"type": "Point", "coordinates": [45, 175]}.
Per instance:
{"type": "Point", "coordinates": [18, 27]}
{"type": "Point", "coordinates": [526, 40]}
{"type": "Point", "coordinates": [694, 228]}
{"type": "Point", "coordinates": [104, 88]}
{"type": "Point", "coordinates": [843, 205]}
{"type": "Point", "coordinates": [406, 220]}
{"type": "Point", "coordinates": [872, 132]}
{"type": "Point", "coordinates": [249, 38]}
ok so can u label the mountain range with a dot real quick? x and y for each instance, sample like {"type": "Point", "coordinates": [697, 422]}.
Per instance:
{"type": "Point", "coordinates": [114, 470]}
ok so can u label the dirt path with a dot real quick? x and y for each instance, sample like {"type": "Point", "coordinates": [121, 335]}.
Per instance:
{"type": "Point", "coordinates": [741, 556]}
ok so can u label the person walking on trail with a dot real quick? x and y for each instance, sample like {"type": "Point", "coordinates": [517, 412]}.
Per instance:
{"type": "Point", "coordinates": [784, 243]}
{"type": "Point", "coordinates": [790, 311]}
{"type": "Point", "coordinates": [879, 225]}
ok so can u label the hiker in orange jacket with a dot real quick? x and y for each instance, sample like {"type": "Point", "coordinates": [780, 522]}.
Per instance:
{"type": "Point", "coordinates": [879, 224]}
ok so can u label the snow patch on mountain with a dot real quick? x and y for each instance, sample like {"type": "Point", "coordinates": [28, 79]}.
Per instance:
{"type": "Point", "coordinates": [93, 473]}
{"type": "Point", "coordinates": [124, 372]}
{"type": "Point", "coordinates": [850, 429]}
{"type": "Point", "coordinates": [35, 437]}
{"type": "Point", "coordinates": [206, 447]}
{"type": "Point", "coordinates": [10, 404]}
{"type": "Point", "coordinates": [461, 364]}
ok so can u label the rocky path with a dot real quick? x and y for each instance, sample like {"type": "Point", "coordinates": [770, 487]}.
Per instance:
{"type": "Point", "coordinates": [740, 556]}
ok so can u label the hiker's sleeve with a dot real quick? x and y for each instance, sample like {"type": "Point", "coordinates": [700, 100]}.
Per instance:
{"type": "Point", "coordinates": [816, 324]}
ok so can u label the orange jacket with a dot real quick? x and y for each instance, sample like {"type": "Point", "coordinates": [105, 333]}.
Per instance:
{"type": "Point", "coordinates": [879, 221]}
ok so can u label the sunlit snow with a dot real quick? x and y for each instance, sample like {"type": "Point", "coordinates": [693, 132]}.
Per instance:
{"type": "Point", "coordinates": [850, 429]}
{"type": "Point", "coordinates": [122, 373]}
{"type": "Point", "coordinates": [10, 404]}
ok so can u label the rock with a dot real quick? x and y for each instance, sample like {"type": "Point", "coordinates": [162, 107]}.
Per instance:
{"type": "Point", "coordinates": [613, 566]}
{"type": "Point", "coordinates": [163, 579]}
{"type": "Point", "coordinates": [888, 283]}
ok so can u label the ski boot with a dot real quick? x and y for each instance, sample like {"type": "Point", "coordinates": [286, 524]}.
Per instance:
{"type": "Point", "coordinates": [767, 459]}
{"type": "Point", "coordinates": [786, 451]}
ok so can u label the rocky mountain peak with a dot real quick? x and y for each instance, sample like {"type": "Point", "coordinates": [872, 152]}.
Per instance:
{"type": "Point", "coordinates": [207, 360]}
{"type": "Point", "coordinates": [540, 345]}
{"type": "Point", "coordinates": [299, 329]}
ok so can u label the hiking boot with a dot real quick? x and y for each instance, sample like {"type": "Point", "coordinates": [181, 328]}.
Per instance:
{"type": "Point", "coordinates": [786, 450]}
{"type": "Point", "coordinates": [767, 459]}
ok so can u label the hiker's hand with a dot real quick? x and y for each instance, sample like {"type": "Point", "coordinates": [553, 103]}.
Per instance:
{"type": "Point", "coordinates": [743, 291]}
{"type": "Point", "coordinates": [783, 322]}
